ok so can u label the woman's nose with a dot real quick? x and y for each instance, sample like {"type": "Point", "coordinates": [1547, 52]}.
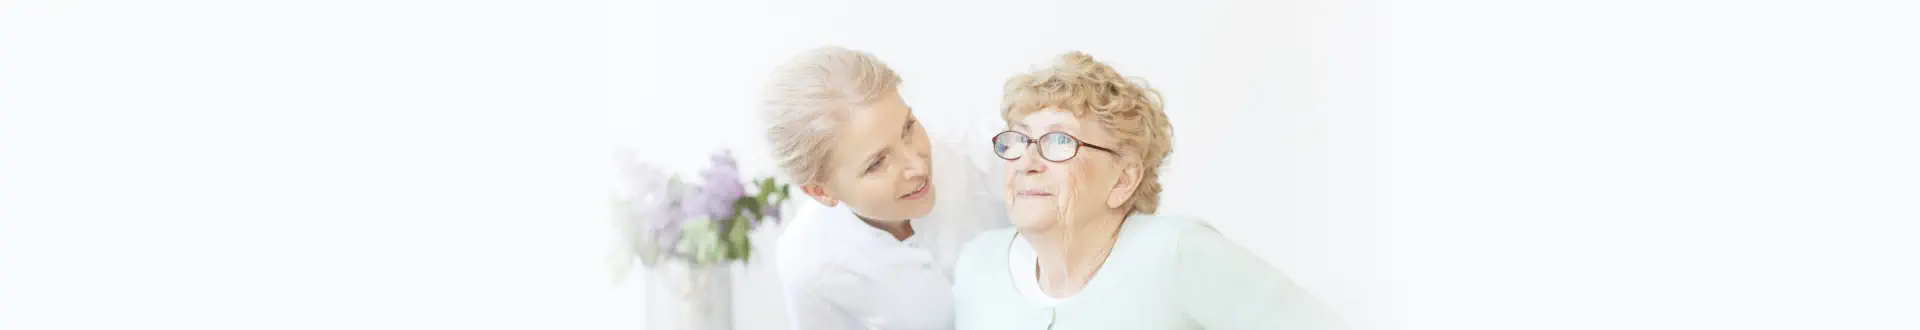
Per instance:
{"type": "Point", "coordinates": [1030, 163]}
{"type": "Point", "coordinates": [916, 164]}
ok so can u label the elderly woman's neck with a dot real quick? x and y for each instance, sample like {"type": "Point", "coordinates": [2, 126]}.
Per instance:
{"type": "Point", "coordinates": [1070, 256]}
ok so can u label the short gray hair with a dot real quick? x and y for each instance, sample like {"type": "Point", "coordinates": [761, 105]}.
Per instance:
{"type": "Point", "coordinates": [808, 95]}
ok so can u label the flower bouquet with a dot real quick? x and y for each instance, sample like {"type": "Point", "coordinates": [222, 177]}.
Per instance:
{"type": "Point", "coordinates": [687, 233]}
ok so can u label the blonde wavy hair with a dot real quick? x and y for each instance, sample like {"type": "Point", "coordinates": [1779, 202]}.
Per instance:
{"type": "Point", "coordinates": [1125, 107]}
{"type": "Point", "coordinates": [807, 96]}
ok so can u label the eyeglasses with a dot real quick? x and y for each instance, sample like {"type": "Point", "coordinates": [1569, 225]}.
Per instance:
{"type": "Point", "coordinates": [1054, 147]}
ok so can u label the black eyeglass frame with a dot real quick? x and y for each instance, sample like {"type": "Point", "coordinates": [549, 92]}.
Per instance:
{"type": "Point", "coordinates": [1077, 143]}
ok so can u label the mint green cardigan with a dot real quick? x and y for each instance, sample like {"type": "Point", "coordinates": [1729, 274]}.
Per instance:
{"type": "Point", "coordinates": [1163, 273]}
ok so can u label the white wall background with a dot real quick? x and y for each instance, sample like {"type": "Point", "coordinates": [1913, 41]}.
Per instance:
{"type": "Point", "coordinates": [1277, 106]}
{"type": "Point", "coordinates": [303, 165]}
{"type": "Point", "coordinates": [442, 164]}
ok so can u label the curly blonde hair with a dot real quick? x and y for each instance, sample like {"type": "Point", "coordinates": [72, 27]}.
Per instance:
{"type": "Point", "coordinates": [808, 95]}
{"type": "Point", "coordinates": [1125, 107]}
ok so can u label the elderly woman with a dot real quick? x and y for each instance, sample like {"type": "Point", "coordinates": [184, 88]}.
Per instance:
{"type": "Point", "coordinates": [1086, 251]}
{"type": "Point", "coordinates": [877, 252]}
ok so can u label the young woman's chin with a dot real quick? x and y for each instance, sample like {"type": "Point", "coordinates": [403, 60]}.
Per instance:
{"type": "Point", "coordinates": [895, 208]}
{"type": "Point", "coordinates": [918, 209]}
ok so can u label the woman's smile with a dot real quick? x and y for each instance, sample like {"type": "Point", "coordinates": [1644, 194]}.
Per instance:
{"type": "Point", "coordinates": [918, 192]}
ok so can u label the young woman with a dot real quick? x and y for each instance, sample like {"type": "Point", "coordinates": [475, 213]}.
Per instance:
{"type": "Point", "coordinates": [877, 251]}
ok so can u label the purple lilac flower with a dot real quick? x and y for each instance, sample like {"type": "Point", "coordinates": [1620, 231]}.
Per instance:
{"type": "Point", "coordinates": [652, 197]}
{"type": "Point", "coordinates": [666, 207]}
{"type": "Point", "coordinates": [720, 186]}
{"type": "Point", "coordinates": [693, 203]}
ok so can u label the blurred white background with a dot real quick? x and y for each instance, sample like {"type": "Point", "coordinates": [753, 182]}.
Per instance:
{"type": "Point", "coordinates": [1278, 107]}
{"type": "Point", "coordinates": [441, 164]}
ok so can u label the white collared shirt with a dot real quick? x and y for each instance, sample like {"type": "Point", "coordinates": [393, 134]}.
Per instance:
{"type": "Point", "coordinates": [1023, 266]}
{"type": "Point", "coordinates": [837, 272]}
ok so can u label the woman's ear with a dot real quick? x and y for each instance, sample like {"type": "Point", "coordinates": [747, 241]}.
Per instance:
{"type": "Point", "coordinates": [819, 194]}
{"type": "Point", "coordinates": [1123, 188]}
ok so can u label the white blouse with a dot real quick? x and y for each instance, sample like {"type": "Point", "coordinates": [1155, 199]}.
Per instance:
{"type": "Point", "coordinates": [1163, 273]}
{"type": "Point", "coordinates": [840, 273]}
{"type": "Point", "coordinates": [1023, 266]}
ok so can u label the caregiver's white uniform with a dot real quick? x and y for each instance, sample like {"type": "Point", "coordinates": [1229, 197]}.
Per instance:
{"type": "Point", "coordinates": [1163, 273]}
{"type": "Point", "coordinates": [840, 273]}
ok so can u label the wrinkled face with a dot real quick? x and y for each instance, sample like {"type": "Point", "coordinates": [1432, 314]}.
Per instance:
{"type": "Point", "coordinates": [1040, 193]}
{"type": "Point", "coordinates": [880, 164]}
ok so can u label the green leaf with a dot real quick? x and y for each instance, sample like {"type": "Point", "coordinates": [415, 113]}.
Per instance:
{"type": "Point", "coordinates": [737, 238]}
{"type": "Point", "coordinates": [700, 241]}
{"type": "Point", "coordinates": [746, 205]}
{"type": "Point", "coordinates": [746, 247]}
